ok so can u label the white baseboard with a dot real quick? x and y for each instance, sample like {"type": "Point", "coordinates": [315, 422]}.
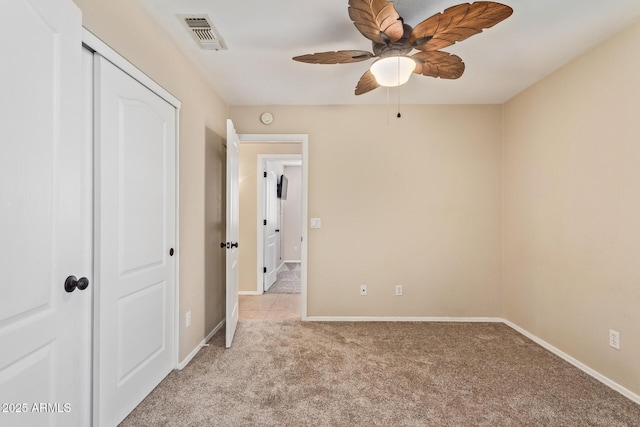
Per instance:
{"type": "Point", "coordinates": [584, 368]}
{"type": "Point", "coordinates": [400, 319]}
{"type": "Point", "coordinates": [292, 261]}
{"type": "Point", "coordinates": [195, 351]}
{"type": "Point", "coordinates": [250, 293]}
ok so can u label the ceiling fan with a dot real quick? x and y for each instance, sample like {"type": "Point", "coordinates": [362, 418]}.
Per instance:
{"type": "Point", "coordinates": [393, 41]}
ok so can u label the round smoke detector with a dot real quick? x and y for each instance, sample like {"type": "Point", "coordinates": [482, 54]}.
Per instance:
{"type": "Point", "coordinates": [266, 118]}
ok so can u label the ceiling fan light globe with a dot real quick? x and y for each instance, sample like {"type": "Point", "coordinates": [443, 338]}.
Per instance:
{"type": "Point", "coordinates": [392, 71]}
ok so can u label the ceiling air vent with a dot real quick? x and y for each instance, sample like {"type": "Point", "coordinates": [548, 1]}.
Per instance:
{"type": "Point", "coordinates": [203, 31]}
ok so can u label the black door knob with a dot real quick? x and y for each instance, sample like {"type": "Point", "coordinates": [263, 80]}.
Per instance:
{"type": "Point", "coordinates": [234, 245]}
{"type": "Point", "coordinates": [72, 283]}
{"type": "Point", "coordinates": [83, 283]}
{"type": "Point", "coordinates": [223, 245]}
{"type": "Point", "coordinates": [171, 252]}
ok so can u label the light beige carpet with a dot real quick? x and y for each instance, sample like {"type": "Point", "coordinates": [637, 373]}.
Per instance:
{"type": "Point", "coordinates": [380, 374]}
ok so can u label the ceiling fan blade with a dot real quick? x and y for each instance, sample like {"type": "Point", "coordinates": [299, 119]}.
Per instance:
{"type": "Point", "coordinates": [339, 57]}
{"type": "Point", "coordinates": [377, 20]}
{"type": "Point", "coordinates": [435, 63]}
{"type": "Point", "coordinates": [367, 83]}
{"type": "Point", "coordinates": [457, 23]}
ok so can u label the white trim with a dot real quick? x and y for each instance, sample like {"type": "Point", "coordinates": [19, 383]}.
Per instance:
{"type": "Point", "coordinates": [403, 319]}
{"type": "Point", "coordinates": [204, 342]}
{"type": "Point", "coordinates": [250, 293]}
{"type": "Point", "coordinates": [303, 139]}
{"type": "Point", "coordinates": [305, 220]}
{"type": "Point", "coordinates": [584, 368]}
{"type": "Point", "coordinates": [294, 261]}
{"type": "Point", "coordinates": [176, 243]}
{"type": "Point", "coordinates": [97, 45]}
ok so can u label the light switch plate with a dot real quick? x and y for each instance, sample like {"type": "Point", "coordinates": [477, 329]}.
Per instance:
{"type": "Point", "coordinates": [315, 223]}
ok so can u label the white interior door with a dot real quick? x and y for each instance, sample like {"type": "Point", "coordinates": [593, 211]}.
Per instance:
{"type": "Point", "coordinates": [45, 218]}
{"type": "Point", "coordinates": [135, 265]}
{"type": "Point", "coordinates": [233, 206]}
{"type": "Point", "coordinates": [271, 256]}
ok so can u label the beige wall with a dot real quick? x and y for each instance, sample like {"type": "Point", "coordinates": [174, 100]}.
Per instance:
{"type": "Point", "coordinates": [572, 208]}
{"type": "Point", "coordinates": [412, 201]}
{"type": "Point", "coordinates": [124, 26]}
{"type": "Point", "coordinates": [248, 263]}
{"type": "Point", "coordinates": [291, 225]}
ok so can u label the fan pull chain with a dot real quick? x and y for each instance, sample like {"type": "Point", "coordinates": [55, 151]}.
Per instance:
{"type": "Point", "coordinates": [388, 106]}
{"type": "Point", "coordinates": [398, 74]}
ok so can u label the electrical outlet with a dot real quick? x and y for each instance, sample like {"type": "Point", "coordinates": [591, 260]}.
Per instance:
{"type": "Point", "coordinates": [614, 339]}
{"type": "Point", "coordinates": [187, 319]}
{"type": "Point", "coordinates": [363, 290]}
{"type": "Point", "coordinates": [399, 290]}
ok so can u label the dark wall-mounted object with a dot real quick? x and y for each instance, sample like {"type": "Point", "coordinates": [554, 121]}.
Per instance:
{"type": "Point", "coordinates": [283, 183]}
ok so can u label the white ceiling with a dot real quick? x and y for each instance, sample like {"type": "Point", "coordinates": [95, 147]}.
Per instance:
{"type": "Point", "coordinates": [262, 37]}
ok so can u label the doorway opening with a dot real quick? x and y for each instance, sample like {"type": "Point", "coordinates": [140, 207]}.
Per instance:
{"type": "Point", "coordinates": [276, 249]}
{"type": "Point", "coordinates": [280, 202]}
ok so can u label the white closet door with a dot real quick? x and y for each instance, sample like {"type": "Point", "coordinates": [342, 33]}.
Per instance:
{"type": "Point", "coordinates": [135, 241]}
{"type": "Point", "coordinates": [45, 218]}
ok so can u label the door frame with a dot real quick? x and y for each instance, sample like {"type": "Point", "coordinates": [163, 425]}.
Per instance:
{"type": "Point", "coordinates": [262, 208]}
{"type": "Point", "coordinates": [303, 140]}
{"type": "Point", "coordinates": [94, 44]}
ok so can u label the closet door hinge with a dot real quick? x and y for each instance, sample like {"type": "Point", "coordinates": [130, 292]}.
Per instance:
{"type": "Point", "coordinates": [264, 270]}
{"type": "Point", "coordinates": [265, 174]}
{"type": "Point", "coordinates": [264, 222]}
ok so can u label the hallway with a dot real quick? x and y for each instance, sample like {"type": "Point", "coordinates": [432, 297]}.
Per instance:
{"type": "Point", "coordinates": [287, 279]}
{"type": "Point", "coordinates": [281, 302]}
{"type": "Point", "coordinates": [270, 307]}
